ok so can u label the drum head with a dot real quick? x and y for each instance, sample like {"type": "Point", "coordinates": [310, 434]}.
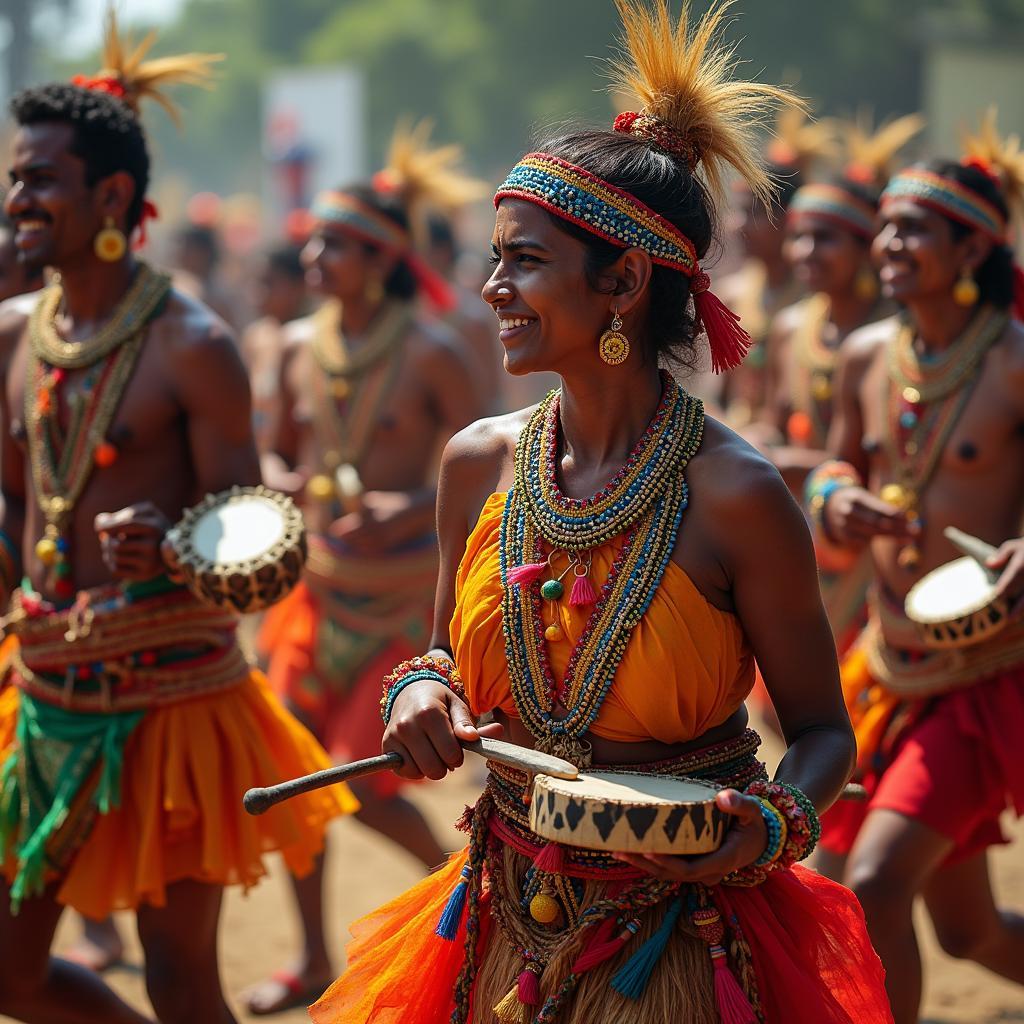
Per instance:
{"type": "Point", "coordinates": [627, 787]}
{"type": "Point", "coordinates": [239, 532]}
{"type": "Point", "coordinates": [954, 589]}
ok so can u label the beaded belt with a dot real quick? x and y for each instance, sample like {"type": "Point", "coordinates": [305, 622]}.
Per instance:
{"type": "Point", "coordinates": [732, 763]}
{"type": "Point", "coordinates": [125, 649]}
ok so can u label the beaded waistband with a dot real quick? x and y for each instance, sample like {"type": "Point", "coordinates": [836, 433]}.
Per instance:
{"type": "Point", "coordinates": [732, 763]}
{"type": "Point", "coordinates": [112, 651]}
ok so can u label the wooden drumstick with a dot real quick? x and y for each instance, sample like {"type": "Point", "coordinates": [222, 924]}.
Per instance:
{"type": "Point", "coordinates": [258, 800]}
{"type": "Point", "coordinates": [974, 547]}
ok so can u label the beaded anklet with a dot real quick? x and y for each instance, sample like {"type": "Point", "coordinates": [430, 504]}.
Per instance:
{"type": "Point", "coordinates": [440, 670]}
{"type": "Point", "coordinates": [800, 832]}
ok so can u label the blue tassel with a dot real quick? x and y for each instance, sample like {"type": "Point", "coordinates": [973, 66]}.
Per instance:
{"type": "Point", "coordinates": [631, 979]}
{"type": "Point", "coordinates": [451, 916]}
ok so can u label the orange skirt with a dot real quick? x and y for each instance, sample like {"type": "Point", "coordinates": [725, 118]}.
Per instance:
{"type": "Point", "coordinates": [186, 767]}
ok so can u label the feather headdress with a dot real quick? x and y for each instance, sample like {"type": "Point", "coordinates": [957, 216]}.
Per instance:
{"type": "Point", "coordinates": [683, 75]}
{"type": "Point", "coordinates": [799, 141]}
{"type": "Point", "coordinates": [871, 152]}
{"type": "Point", "coordinates": [127, 74]}
{"type": "Point", "coordinates": [426, 178]}
{"type": "Point", "coordinates": [1000, 158]}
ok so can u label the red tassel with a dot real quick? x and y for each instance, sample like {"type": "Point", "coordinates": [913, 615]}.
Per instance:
{"type": "Point", "coordinates": [733, 1005]}
{"type": "Point", "coordinates": [728, 341]}
{"type": "Point", "coordinates": [526, 573]}
{"type": "Point", "coordinates": [583, 592]}
{"type": "Point", "coordinates": [1018, 293]}
{"type": "Point", "coordinates": [601, 948]}
{"type": "Point", "coordinates": [551, 859]}
{"type": "Point", "coordinates": [529, 988]}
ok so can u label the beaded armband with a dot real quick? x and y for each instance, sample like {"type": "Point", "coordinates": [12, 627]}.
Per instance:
{"type": "Point", "coordinates": [440, 670]}
{"type": "Point", "coordinates": [792, 835]}
{"type": "Point", "coordinates": [821, 484]}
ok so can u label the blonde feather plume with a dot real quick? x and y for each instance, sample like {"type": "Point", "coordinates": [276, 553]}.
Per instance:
{"type": "Point", "coordinates": [427, 178]}
{"type": "Point", "coordinates": [1001, 156]}
{"type": "Point", "coordinates": [871, 152]}
{"type": "Point", "coordinates": [125, 61]}
{"type": "Point", "coordinates": [683, 75]}
{"type": "Point", "coordinates": [799, 141]}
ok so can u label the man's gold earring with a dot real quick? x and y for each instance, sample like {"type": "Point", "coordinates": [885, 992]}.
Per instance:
{"type": "Point", "coordinates": [110, 244]}
{"type": "Point", "coordinates": [965, 291]}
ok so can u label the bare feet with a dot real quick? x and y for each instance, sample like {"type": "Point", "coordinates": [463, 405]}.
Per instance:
{"type": "Point", "coordinates": [285, 990]}
{"type": "Point", "coordinates": [99, 948]}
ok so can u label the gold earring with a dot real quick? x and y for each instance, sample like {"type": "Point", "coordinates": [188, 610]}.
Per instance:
{"type": "Point", "coordinates": [965, 291]}
{"type": "Point", "coordinates": [374, 291]}
{"type": "Point", "coordinates": [865, 286]}
{"type": "Point", "coordinates": [110, 244]}
{"type": "Point", "coordinates": [614, 345]}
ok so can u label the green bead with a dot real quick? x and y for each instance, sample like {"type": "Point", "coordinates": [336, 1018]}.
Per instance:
{"type": "Point", "coordinates": [552, 590]}
{"type": "Point", "coordinates": [62, 569]}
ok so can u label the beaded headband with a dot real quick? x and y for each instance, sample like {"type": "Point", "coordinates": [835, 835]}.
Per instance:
{"type": "Point", "coordinates": [948, 197]}
{"type": "Point", "coordinates": [344, 210]}
{"type": "Point", "coordinates": [574, 194]}
{"type": "Point", "coordinates": [837, 204]}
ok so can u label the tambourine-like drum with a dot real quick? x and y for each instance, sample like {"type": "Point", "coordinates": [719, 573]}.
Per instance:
{"type": "Point", "coordinates": [955, 606]}
{"type": "Point", "coordinates": [242, 549]}
{"type": "Point", "coordinates": [628, 812]}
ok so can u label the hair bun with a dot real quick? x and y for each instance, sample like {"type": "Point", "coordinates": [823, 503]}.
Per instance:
{"type": "Point", "coordinates": [661, 134]}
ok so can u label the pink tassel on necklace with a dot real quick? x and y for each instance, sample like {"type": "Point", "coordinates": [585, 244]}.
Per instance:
{"type": "Point", "coordinates": [583, 592]}
{"type": "Point", "coordinates": [526, 574]}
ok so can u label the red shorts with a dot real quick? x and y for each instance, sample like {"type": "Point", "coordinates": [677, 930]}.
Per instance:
{"type": "Point", "coordinates": [956, 769]}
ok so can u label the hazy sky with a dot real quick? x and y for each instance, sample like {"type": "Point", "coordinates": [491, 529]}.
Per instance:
{"type": "Point", "coordinates": [84, 29]}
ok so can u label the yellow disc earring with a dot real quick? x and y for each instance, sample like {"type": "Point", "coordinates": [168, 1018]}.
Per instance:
{"type": "Point", "coordinates": [110, 244]}
{"type": "Point", "coordinates": [614, 345]}
{"type": "Point", "coordinates": [865, 285]}
{"type": "Point", "coordinates": [965, 291]}
{"type": "Point", "coordinates": [374, 290]}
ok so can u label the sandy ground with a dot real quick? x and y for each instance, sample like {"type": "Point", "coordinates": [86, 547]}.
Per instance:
{"type": "Point", "coordinates": [259, 930]}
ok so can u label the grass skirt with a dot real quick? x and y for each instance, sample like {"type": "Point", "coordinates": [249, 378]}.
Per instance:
{"type": "Point", "coordinates": [811, 958]}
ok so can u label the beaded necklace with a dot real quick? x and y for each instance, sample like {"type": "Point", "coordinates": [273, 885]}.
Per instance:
{"type": "Point", "coordinates": [644, 503]}
{"type": "Point", "coordinates": [62, 463]}
{"type": "Point", "coordinates": [133, 312]}
{"type": "Point", "coordinates": [349, 392]}
{"type": "Point", "coordinates": [816, 362]}
{"type": "Point", "coordinates": [923, 404]}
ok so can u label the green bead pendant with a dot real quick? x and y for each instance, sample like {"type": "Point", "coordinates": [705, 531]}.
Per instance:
{"type": "Point", "coordinates": [552, 590]}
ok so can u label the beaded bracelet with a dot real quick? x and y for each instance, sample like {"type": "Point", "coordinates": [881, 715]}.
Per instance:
{"type": "Point", "coordinates": [440, 670]}
{"type": "Point", "coordinates": [775, 823]}
{"type": "Point", "coordinates": [821, 484]}
{"type": "Point", "coordinates": [802, 831]}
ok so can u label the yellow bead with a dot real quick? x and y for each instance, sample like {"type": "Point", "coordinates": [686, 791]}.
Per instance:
{"type": "Point", "coordinates": [46, 551]}
{"type": "Point", "coordinates": [552, 633]}
{"type": "Point", "coordinates": [320, 487]}
{"type": "Point", "coordinates": [544, 909]}
{"type": "Point", "coordinates": [821, 387]}
{"type": "Point", "coordinates": [895, 494]}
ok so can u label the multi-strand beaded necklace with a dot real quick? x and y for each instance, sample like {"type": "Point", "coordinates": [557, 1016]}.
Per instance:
{"type": "Point", "coordinates": [923, 403]}
{"type": "Point", "coordinates": [541, 528]}
{"type": "Point", "coordinates": [349, 391]}
{"type": "Point", "coordinates": [63, 461]}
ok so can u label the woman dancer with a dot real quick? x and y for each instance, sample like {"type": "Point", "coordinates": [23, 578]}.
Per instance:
{"type": "Point", "coordinates": [647, 660]}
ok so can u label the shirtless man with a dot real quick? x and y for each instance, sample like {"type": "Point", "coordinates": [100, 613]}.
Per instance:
{"type": "Point", "coordinates": [370, 393]}
{"type": "Point", "coordinates": [939, 733]}
{"type": "Point", "coordinates": [158, 413]}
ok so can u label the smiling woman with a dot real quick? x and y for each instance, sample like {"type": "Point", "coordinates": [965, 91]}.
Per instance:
{"type": "Point", "coordinates": [600, 616]}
